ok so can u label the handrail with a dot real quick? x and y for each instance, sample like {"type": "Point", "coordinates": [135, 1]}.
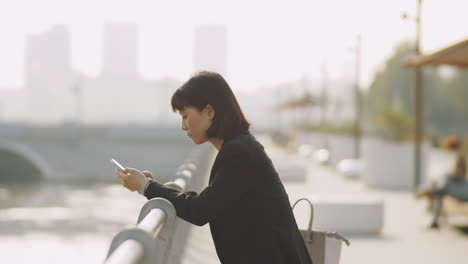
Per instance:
{"type": "Point", "coordinates": [153, 222]}
{"type": "Point", "coordinates": [130, 251]}
{"type": "Point", "coordinates": [150, 240]}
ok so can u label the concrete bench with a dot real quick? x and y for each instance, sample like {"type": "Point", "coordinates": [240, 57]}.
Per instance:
{"type": "Point", "coordinates": [455, 211]}
{"type": "Point", "coordinates": [291, 171]}
{"type": "Point", "coordinates": [348, 214]}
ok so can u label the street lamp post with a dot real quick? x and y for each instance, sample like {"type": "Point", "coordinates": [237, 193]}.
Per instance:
{"type": "Point", "coordinates": [418, 106]}
{"type": "Point", "coordinates": [418, 112]}
{"type": "Point", "coordinates": [323, 105]}
{"type": "Point", "coordinates": [357, 102]}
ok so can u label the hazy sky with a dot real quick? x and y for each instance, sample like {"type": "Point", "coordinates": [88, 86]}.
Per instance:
{"type": "Point", "coordinates": [268, 41]}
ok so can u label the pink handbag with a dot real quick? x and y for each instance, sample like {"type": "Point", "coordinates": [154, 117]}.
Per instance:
{"type": "Point", "coordinates": [324, 246]}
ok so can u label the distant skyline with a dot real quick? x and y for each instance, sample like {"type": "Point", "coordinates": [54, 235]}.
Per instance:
{"type": "Point", "coordinates": [268, 41]}
{"type": "Point", "coordinates": [210, 49]}
{"type": "Point", "coordinates": [54, 93]}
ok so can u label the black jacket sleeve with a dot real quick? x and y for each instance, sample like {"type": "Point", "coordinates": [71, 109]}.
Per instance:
{"type": "Point", "coordinates": [228, 186]}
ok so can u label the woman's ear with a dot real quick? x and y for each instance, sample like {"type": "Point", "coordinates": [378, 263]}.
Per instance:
{"type": "Point", "coordinates": [210, 110]}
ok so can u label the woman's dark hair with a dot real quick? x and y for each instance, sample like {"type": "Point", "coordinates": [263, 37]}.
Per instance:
{"type": "Point", "coordinates": [210, 88]}
{"type": "Point", "coordinates": [452, 143]}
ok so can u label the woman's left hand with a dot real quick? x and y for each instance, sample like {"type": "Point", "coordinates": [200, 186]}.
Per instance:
{"type": "Point", "coordinates": [131, 179]}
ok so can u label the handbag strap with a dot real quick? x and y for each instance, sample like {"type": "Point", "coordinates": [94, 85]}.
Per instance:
{"type": "Point", "coordinates": [309, 228]}
{"type": "Point", "coordinates": [339, 237]}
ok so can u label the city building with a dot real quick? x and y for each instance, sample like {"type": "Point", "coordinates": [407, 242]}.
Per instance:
{"type": "Point", "coordinates": [210, 49]}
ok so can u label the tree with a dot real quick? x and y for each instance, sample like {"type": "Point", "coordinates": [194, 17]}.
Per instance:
{"type": "Point", "coordinates": [389, 99]}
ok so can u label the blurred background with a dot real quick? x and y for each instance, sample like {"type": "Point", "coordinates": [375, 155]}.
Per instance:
{"type": "Point", "coordinates": [326, 85]}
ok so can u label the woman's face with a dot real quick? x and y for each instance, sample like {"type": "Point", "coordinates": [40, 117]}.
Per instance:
{"type": "Point", "coordinates": [196, 122]}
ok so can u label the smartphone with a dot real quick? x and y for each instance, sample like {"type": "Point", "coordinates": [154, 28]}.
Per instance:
{"type": "Point", "coordinates": [116, 163]}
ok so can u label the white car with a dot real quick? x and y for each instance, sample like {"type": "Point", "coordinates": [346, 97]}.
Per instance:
{"type": "Point", "coordinates": [352, 168]}
{"type": "Point", "coordinates": [322, 156]}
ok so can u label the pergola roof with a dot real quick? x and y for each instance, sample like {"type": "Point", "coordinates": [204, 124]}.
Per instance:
{"type": "Point", "coordinates": [307, 100]}
{"type": "Point", "coordinates": [455, 55]}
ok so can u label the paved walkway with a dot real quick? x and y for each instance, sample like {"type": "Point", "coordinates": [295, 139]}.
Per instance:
{"type": "Point", "coordinates": [405, 238]}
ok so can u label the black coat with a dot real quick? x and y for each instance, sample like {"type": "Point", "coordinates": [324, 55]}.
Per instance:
{"type": "Point", "coordinates": [246, 205]}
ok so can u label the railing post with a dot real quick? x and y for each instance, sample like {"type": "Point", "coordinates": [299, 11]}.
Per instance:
{"type": "Point", "coordinates": [187, 166]}
{"type": "Point", "coordinates": [182, 180]}
{"type": "Point", "coordinates": [151, 240]}
{"type": "Point", "coordinates": [150, 252]}
{"type": "Point", "coordinates": [164, 238]}
{"type": "Point", "coordinates": [185, 174]}
{"type": "Point", "coordinates": [155, 247]}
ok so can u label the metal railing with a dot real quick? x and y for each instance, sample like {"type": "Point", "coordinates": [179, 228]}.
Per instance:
{"type": "Point", "coordinates": [150, 240]}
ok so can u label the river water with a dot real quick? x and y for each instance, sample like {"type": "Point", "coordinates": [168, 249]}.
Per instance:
{"type": "Point", "coordinates": [61, 223]}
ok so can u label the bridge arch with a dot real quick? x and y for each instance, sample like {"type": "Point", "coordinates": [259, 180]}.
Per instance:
{"type": "Point", "coordinates": [20, 163]}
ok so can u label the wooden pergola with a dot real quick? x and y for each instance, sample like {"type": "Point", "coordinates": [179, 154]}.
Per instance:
{"type": "Point", "coordinates": [453, 55]}
{"type": "Point", "coordinates": [307, 100]}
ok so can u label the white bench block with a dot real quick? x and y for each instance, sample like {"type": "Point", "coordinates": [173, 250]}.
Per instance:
{"type": "Point", "coordinates": [348, 214]}
{"type": "Point", "coordinates": [291, 171]}
{"type": "Point", "coordinates": [391, 165]}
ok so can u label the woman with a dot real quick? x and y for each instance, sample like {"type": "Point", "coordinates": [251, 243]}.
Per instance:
{"type": "Point", "coordinates": [454, 185]}
{"type": "Point", "coordinates": [245, 203]}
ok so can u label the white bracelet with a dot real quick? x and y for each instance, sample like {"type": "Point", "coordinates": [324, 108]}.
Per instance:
{"type": "Point", "coordinates": [145, 185]}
